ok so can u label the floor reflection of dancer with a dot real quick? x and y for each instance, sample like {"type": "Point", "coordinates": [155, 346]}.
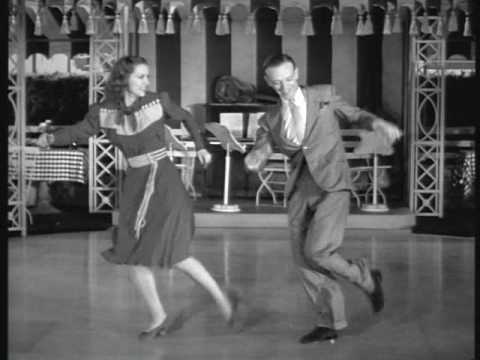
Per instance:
{"type": "Point", "coordinates": [305, 127]}
{"type": "Point", "coordinates": [156, 222]}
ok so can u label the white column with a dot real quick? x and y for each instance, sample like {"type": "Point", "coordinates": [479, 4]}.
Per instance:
{"type": "Point", "coordinates": [147, 48]}
{"type": "Point", "coordinates": [295, 45]}
{"type": "Point", "coordinates": [193, 73]}
{"type": "Point", "coordinates": [344, 58]}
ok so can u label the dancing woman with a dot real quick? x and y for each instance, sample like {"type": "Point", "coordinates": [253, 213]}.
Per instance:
{"type": "Point", "coordinates": [156, 222]}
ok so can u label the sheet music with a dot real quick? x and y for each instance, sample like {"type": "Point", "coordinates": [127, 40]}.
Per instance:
{"type": "Point", "coordinates": [233, 122]}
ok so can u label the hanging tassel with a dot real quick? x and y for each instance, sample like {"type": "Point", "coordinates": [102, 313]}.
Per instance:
{"type": "Point", "coordinates": [439, 31]}
{"type": "Point", "coordinates": [307, 29]}
{"type": "Point", "coordinates": [452, 22]}
{"type": "Point", "coordinates": [250, 28]}
{"type": "Point", "coordinates": [367, 26]}
{"type": "Point", "coordinates": [336, 27]}
{"type": "Point", "coordinates": [467, 30]}
{"type": "Point", "coordinates": [387, 24]}
{"type": "Point", "coordinates": [170, 29]}
{"type": "Point", "coordinates": [64, 29]}
{"type": "Point", "coordinates": [160, 27]}
{"type": "Point", "coordinates": [90, 28]}
{"type": "Point", "coordinates": [424, 27]}
{"type": "Point", "coordinates": [360, 30]}
{"type": "Point", "coordinates": [279, 28]}
{"type": "Point", "coordinates": [143, 25]}
{"type": "Point", "coordinates": [218, 27]}
{"type": "Point", "coordinates": [396, 28]}
{"type": "Point", "coordinates": [38, 26]}
{"type": "Point", "coordinates": [225, 24]}
{"type": "Point", "coordinates": [196, 23]}
{"type": "Point", "coordinates": [12, 21]}
{"type": "Point", "coordinates": [117, 25]}
{"type": "Point", "coordinates": [74, 21]}
{"type": "Point", "coordinates": [12, 25]}
{"type": "Point", "coordinates": [413, 26]}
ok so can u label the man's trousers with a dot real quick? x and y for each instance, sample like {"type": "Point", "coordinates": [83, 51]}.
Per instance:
{"type": "Point", "coordinates": [317, 221]}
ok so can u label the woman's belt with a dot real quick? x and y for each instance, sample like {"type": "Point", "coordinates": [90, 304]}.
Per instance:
{"type": "Point", "coordinates": [147, 158]}
{"type": "Point", "coordinates": [151, 159]}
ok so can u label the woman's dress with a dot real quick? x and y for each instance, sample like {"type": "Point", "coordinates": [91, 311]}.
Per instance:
{"type": "Point", "coordinates": [167, 221]}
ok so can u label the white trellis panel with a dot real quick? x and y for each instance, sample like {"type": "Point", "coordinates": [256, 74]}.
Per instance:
{"type": "Point", "coordinates": [105, 160]}
{"type": "Point", "coordinates": [17, 204]}
{"type": "Point", "coordinates": [427, 123]}
{"type": "Point", "coordinates": [106, 164]}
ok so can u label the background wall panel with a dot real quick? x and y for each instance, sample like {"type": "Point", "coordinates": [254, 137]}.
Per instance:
{"type": "Point", "coordinates": [319, 48]}
{"type": "Point", "coordinates": [168, 61]}
{"type": "Point", "coordinates": [293, 42]}
{"type": "Point", "coordinates": [218, 52]}
{"type": "Point", "coordinates": [267, 44]}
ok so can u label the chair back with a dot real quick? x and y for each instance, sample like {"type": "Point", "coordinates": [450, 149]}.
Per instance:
{"type": "Point", "coordinates": [182, 157]}
{"type": "Point", "coordinates": [172, 142]}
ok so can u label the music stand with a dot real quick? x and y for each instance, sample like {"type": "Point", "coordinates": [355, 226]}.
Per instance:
{"type": "Point", "coordinates": [229, 143]}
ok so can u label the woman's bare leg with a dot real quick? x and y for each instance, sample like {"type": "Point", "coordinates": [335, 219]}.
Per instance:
{"type": "Point", "coordinates": [194, 268]}
{"type": "Point", "coordinates": [144, 280]}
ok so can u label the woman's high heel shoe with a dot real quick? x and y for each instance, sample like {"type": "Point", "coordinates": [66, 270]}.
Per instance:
{"type": "Point", "coordinates": [234, 298]}
{"type": "Point", "coordinates": [171, 323]}
{"type": "Point", "coordinates": [155, 332]}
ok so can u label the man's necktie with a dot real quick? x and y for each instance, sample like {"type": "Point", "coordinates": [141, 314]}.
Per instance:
{"type": "Point", "coordinates": [294, 122]}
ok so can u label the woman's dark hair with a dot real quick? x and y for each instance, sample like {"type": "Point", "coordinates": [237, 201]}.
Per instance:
{"type": "Point", "coordinates": [118, 79]}
{"type": "Point", "coordinates": [278, 59]}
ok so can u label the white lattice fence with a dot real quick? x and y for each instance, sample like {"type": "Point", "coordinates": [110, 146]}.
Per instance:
{"type": "Point", "coordinates": [17, 207]}
{"type": "Point", "coordinates": [105, 160]}
{"type": "Point", "coordinates": [427, 122]}
{"type": "Point", "coordinates": [106, 164]}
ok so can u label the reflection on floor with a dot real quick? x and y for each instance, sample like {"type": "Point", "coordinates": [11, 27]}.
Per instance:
{"type": "Point", "coordinates": [66, 302]}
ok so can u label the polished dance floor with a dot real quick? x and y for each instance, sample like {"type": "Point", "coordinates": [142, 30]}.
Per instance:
{"type": "Point", "coordinates": [67, 303]}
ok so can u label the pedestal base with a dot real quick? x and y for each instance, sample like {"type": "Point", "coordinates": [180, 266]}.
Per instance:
{"type": "Point", "coordinates": [226, 208]}
{"type": "Point", "coordinates": [375, 208]}
{"type": "Point", "coordinates": [44, 207]}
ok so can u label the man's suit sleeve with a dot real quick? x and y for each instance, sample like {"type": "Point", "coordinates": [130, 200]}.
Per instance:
{"type": "Point", "coordinates": [262, 149]}
{"type": "Point", "coordinates": [353, 115]}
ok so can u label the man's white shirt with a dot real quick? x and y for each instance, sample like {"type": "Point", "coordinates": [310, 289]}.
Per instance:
{"type": "Point", "coordinates": [295, 117]}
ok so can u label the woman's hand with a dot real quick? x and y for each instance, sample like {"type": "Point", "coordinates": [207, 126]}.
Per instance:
{"type": "Point", "coordinates": [44, 140]}
{"type": "Point", "coordinates": [204, 157]}
{"type": "Point", "coordinates": [390, 131]}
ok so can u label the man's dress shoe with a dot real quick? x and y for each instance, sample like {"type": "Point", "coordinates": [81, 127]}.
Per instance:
{"type": "Point", "coordinates": [320, 333]}
{"type": "Point", "coordinates": [376, 296]}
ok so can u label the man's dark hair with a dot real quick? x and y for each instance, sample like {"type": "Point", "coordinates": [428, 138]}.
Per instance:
{"type": "Point", "coordinates": [278, 59]}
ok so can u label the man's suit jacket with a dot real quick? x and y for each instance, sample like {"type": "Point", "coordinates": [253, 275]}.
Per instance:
{"type": "Point", "coordinates": [322, 145]}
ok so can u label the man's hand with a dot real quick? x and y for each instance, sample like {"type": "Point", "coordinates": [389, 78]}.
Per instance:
{"type": "Point", "coordinates": [253, 162]}
{"type": "Point", "coordinates": [204, 157]}
{"type": "Point", "coordinates": [390, 131]}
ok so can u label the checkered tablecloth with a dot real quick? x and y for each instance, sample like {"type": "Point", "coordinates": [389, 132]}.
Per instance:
{"type": "Point", "coordinates": [51, 165]}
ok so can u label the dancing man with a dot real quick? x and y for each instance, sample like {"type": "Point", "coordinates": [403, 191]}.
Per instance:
{"type": "Point", "coordinates": [305, 126]}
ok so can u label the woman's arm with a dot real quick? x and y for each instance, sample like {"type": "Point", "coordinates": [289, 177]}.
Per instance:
{"type": "Point", "coordinates": [79, 132]}
{"type": "Point", "coordinates": [177, 113]}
